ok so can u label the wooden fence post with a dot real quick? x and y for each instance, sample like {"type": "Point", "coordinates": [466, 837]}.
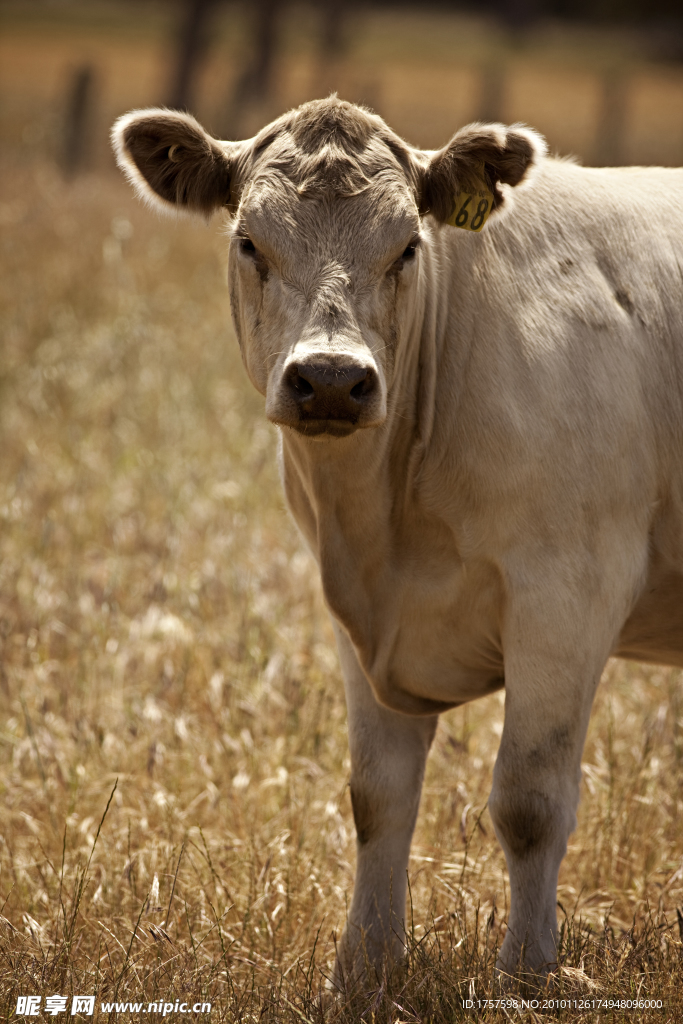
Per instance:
{"type": "Point", "coordinates": [254, 85]}
{"type": "Point", "coordinates": [192, 41]}
{"type": "Point", "coordinates": [611, 127]}
{"type": "Point", "coordinates": [77, 117]}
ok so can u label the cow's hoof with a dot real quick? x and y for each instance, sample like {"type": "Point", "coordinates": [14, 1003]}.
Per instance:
{"type": "Point", "coordinates": [352, 972]}
{"type": "Point", "coordinates": [527, 969]}
{"type": "Point", "coordinates": [362, 965]}
{"type": "Point", "coordinates": [330, 999]}
{"type": "Point", "coordinates": [525, 979]}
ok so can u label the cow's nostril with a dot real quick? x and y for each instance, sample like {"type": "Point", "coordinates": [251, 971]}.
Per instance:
{"type": "Point", "coordinates": [302, 386]}
{"type": "Point", "coordinates": [358, 390]}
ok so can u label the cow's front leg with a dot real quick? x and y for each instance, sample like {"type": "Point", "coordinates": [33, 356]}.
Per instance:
{"type": "Point", "coordinates": [388, 754]}
{"type": "Point", "coordinates": [549, 692]}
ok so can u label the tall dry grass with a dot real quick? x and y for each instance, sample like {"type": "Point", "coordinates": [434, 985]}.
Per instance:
{"type": "Point", "coordinates": [165, 649]}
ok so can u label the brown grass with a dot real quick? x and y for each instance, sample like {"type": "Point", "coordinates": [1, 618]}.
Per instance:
{"type": "Point", "coordinates": [165, 649]}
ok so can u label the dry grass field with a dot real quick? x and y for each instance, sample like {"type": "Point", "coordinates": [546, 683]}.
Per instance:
{"type": "Point", "coordinates": [175, 817]}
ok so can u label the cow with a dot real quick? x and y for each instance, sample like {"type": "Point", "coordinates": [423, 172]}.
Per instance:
{"type": "Point", "coordinates": [475, 359]}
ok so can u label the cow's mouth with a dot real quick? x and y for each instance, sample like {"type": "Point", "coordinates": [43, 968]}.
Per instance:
{"type": "Point", "coordinates": [318, 427]}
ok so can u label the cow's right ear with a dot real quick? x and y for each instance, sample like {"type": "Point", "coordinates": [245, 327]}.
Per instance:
{"type": "Point", "coordinates": [173, 163]}
{"type": "Point", "coordinates": [479, 156]}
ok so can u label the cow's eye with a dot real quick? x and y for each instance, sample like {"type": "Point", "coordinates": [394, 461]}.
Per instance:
{"type": "Point", "coordinates": [247, 246]}
{"type": "Point", "coordinates": [406, 256]}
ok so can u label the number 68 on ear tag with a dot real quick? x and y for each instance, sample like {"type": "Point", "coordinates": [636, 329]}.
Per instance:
{"type": "Point", "coordinates": [471, 209]}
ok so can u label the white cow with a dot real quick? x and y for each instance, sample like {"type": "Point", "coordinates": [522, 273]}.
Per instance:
{"type": "Point", "coordinates": [481, 441]}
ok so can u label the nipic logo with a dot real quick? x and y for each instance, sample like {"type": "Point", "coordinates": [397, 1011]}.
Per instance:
{"type": "Point", "coordinates": [29, 1006]}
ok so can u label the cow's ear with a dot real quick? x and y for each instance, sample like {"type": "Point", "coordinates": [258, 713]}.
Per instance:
{"type": "Point", "coordinates": [172, 162]}
{"type": "Point", "coordinates": [479, 155]}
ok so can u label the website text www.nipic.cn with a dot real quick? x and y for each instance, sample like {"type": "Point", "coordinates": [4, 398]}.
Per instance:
{"type": "Point", "coordinates": [30, 1006]}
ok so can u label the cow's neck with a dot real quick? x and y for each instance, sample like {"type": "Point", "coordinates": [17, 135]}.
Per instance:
{"type": "Point", "coordinates": [355, 499]}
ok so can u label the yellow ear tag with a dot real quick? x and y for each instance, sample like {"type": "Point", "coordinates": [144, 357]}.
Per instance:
{"type": "Point", "coordinates": [471, 209]}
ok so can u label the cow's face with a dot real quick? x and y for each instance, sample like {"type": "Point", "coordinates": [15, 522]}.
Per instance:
{"type": "Point", "coordinates": [322, 284]}
{"type": "Point", "coordinates": [325, 250]}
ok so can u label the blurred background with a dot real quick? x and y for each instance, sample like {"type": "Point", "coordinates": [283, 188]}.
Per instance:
{"type": "Point", "coordinates": [602, 79]}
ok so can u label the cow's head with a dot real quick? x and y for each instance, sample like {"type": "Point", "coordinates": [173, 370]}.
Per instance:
{"type": "Point", "coordinates": [327, 208]}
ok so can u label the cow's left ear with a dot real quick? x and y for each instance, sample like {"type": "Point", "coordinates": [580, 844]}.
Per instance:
{"type": "Point", "coordinates": [479, 155]}
{"type": "Point", "coordinates": [173, 163]}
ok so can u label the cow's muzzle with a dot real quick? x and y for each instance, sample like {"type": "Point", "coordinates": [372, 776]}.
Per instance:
{"type": "Point", "coordinates": [333, 395]}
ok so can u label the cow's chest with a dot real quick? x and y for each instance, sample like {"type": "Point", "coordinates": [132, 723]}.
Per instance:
{"type": "Point", "coordinates": [426, 626]}
{"type": "Point", "coordinates": [424, 622]}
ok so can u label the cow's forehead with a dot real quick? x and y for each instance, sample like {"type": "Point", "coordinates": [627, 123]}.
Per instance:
{"type": "Point", "coordinates": [330, 143]}
{"type": "Point", "coordinates": [332, 177]}
{"type": "Point", "coordinates": [362, 220]}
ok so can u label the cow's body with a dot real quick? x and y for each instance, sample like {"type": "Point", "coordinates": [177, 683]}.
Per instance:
{"type": "Point", "coordinates": [513, 513]}
{"type": "Point", "coordinates": [545, 422]}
